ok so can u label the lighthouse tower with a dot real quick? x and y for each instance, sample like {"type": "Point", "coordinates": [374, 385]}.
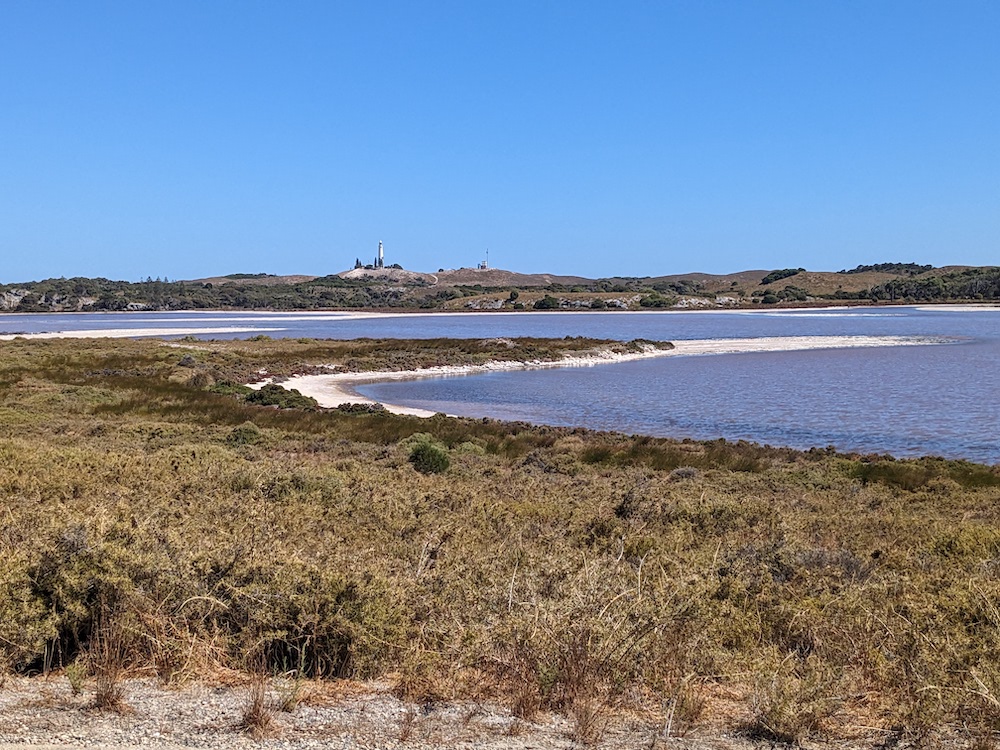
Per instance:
{"type": "Point", "coordinates": [380, 260]}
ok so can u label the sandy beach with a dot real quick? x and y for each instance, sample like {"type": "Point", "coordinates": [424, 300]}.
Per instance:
{"type": "Point", "coordinates": [131, 333]}
{"type": "Point", "coordinates": [335, 389]}
{"type": "Point", "coordinates": [979, 307]}
{"type": "Point", "coordinates": [338, 388]}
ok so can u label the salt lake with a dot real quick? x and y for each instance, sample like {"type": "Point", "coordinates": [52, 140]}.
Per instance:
{"type": "Point", "coordinates": [935, 399]}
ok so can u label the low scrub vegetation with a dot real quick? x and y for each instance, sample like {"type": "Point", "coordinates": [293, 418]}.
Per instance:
{"type": "Point", "coordinates": [913, 282]}
{"type": "Point", "coordinates": [151, 523]}
{"type": "Point", "coordinates": [780, 274]}
{"type": "Point", "coordinates": [428, 456]}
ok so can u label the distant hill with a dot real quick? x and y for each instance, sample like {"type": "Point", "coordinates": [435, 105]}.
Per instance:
{"type": "Point", "coordinates": [817, 282]}
{"type": "Point", "coordinates": [496, 277]}
{"type": "Point", "coordinates": [901, 269]}
{"type": "Point", "coordinates": [714, 282]}
{"type": "Point", "coordinates": [393, 275]}
{"type": "Point", "coordinates": [498, 289]}
{"type": "Point", "coordinates": [263, 279]}
{"type": "Point", "coordinates": [490, 277]}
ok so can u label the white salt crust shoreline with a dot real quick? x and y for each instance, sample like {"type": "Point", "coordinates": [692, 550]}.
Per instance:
{"type": "Point", "coordinates": [273, 317]}
{"type": "Point", "coordinates": [129, 333]}
{"type": "Point", "coordinates": [335, 389]}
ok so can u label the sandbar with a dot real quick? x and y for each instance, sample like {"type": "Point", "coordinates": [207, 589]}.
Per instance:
{"type": "Point", "coordinates": [979, 307]}
{"type": "Point", "coordinates": [128, 333]}
{"type": "Point", "coordinates": [332, 390]}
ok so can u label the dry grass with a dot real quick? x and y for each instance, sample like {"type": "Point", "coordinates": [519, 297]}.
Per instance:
{"type": "Point", "coordinates": [554, 569]}
{"type": "Point", "coordinates": [109, 652]}
{"type": "Point", "coordinates": [408, 724]}
{"type": "Point", "coordinates": [257, 717]}
{"type": "Point", "coordinates": [683, 707]}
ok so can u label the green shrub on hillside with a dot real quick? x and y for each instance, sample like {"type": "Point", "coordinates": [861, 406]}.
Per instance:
{"type": "Point", "coordinates": [783, 273]}
{"type": "Point", "coordinates": [283, 398]}
{"type": "Point", "coordinates": [227, 388]}
{"type": "Point", "coordinates": [429, 458]}
{"type": "Point", "coordinates": [655, 300]}
{"type": "Point", "coordinates": [245, 434]}
{"type": "Point", "coordinates": [548, 302]}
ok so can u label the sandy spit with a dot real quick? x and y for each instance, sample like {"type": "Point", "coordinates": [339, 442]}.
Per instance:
{"type": "Point", "coordinates": [128, 333]}
{"type": "Point", "coordinates": [980, 307]}
{"type": "Point", "coordinates": [339, 388]}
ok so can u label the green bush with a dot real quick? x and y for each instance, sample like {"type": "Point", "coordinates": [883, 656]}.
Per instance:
{"type": "Point", "coordinates": [361, 408]}
{"type": "Point", "coordinates": [429, 458]}
{"type": "Point", "coordinates": [26, 622]}
{"type": "Point", "coordinates": [283, 398]}
{"type": "Point", "coordinates": [548, 302]}
{"type": "Point", "coordinates": [245, 434]}
{"type": "Point", "coordinates": [655, 300]}
{"type": "Point", "coordinates": [782, 273]}
{"type": "Point", "coordinates": [227, 388]}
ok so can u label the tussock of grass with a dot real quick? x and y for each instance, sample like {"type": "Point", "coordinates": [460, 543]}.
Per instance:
{"type": "Point", "coordinates": [257, 716]}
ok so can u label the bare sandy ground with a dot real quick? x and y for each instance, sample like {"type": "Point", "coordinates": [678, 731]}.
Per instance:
{"type": "Point", "coordinates": [339, 388]}
{"type": "Point", "coordinates": [44, 713]}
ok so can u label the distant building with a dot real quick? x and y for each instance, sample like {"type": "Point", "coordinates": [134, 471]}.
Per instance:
{"type": "Point", "coordinates": [485, 264]}
{"type": "Point", "coordinates": [380, 258]}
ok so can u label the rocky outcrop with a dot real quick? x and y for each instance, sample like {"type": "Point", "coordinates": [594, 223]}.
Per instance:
{"type": "Point", "coordinates": [10, 300]}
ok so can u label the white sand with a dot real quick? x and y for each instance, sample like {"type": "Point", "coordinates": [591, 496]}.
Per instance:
{"type": "Point", "coordinates": [127, 333]}
{"type": "Point", "coordinates": [338, 388]}
{"type": "Point", "coordinates": [981, 307]}
{"type": "Point", "coordinates": [798, 343]}
{"type": "Point", "coordinates": [203, 318]}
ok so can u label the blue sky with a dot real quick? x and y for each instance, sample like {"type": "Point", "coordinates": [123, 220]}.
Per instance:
{"type": "Point", "coordinates": [188, 139]}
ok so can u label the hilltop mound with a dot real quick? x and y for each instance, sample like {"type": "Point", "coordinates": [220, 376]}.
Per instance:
{"type": "Point", "coordinates": [258, 279]}
{"type": "Point", "coordinates": [498, 277]}
{"type": "Point", "coordinates": [398, 275]}
{"type": "Point", "coordinates": [487, 277]}
{"type": "Point", "coordinates": [814, 282]}
{"type": "Point", "coordinates": [713, 281]}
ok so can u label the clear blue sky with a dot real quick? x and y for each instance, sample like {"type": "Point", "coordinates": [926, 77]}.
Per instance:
{"type": "Point", "coordinates": [188, 139]}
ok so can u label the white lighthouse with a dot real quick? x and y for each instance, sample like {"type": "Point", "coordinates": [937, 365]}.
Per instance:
{"type": "Point", "coordinates": [380, 260]}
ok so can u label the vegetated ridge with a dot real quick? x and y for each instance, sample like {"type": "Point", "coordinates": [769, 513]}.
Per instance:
{"type": "Point", "coordinates": [494, 289]}
{"type": "Point", "coordinates": [159, 522]}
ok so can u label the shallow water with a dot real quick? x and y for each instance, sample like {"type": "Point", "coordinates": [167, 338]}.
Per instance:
{"type": "Point", "coordinates": [922, 400]}
{"type": "Point", "coordinates": [906, 401]}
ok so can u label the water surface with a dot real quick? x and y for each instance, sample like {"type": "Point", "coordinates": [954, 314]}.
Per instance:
{"type": "Point", "coordinates": [907, 401]}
